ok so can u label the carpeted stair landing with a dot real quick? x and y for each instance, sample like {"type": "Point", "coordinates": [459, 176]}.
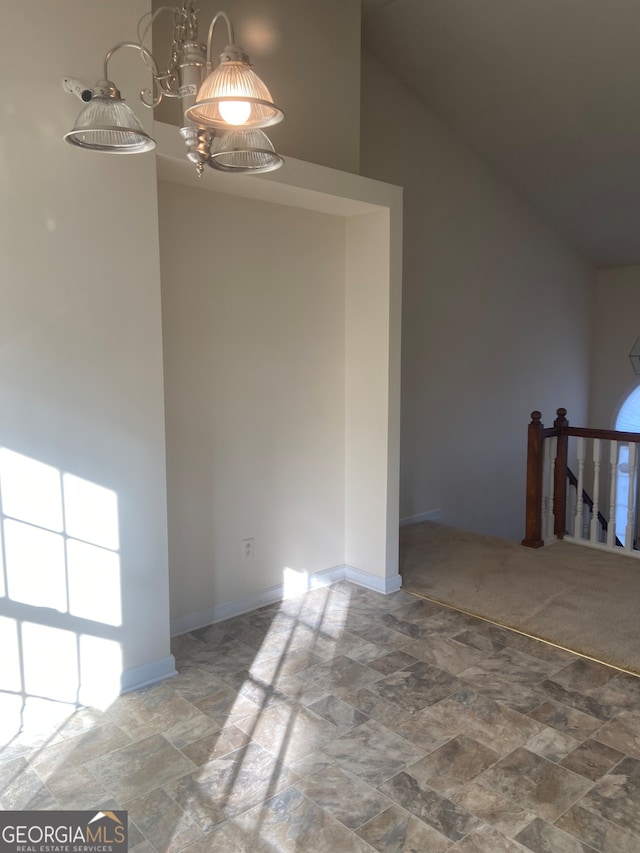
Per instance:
{"type": "Point", "coordinates": [583, 599]}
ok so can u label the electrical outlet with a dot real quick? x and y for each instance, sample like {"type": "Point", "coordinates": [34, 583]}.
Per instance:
{"type": "Point", "coordinates": [247, 549]}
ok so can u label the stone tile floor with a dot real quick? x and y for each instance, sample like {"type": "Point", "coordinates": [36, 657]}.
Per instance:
{"type": "Point", "coordinates": [344, 720]}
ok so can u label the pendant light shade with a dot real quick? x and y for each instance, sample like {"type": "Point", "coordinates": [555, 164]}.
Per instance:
{"type": "Point", "coordinates": [243, 151]}
{"type": "Point", "coordinates": [234, 96]}
{"type": "Point", "coordinates": [107, 124]}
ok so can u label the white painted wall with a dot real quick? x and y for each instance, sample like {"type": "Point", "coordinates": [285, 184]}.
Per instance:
{"type": "Point", "coordinates": [616, 328]}
{"type": "Point", "coordinates": [496, 317]}
{"type": "Point", "coordinates": [81, 385]}
{"type": "Point", "coordinates": [372, 394]}
{"type": "Point", "coordinates": [254, 333]}
{"type": "Point", "coordinates": [308, 54]}
{"type": "Point", "coordinates": [281, 314]}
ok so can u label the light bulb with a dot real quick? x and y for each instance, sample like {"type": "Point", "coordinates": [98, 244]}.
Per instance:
{"type": "Point", "coordinates": [235, 112]}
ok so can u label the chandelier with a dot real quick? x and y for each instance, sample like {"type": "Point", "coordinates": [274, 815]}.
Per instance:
{"type": "Point", "coordinates": [224, 107]}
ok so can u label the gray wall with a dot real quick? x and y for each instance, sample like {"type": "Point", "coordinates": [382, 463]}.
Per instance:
{"type": "Point", "coordinates": [255, 392]}
{"type": "Point", "coordinates": [281, 331]}
{"type": "Point", "coordinates": [496, 317]}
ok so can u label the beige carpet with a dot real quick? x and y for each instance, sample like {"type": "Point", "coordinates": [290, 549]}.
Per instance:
{"type": "Point", "coordinates": [579, 598]}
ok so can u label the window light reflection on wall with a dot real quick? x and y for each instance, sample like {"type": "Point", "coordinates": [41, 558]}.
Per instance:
{"type": "Point", "coordinates": [60, 584]}
{"type": "Point", "coordinates": [60, 540]}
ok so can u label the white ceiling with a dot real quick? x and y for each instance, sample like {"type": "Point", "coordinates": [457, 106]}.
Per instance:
{"type": "Point", "coordinates": [546, 91]}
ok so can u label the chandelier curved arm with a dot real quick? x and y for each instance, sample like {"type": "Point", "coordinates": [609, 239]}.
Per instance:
{"type": "Point", "coordinates": [231, 40]}
{"type": "Point", "coordinates": [149, 99]}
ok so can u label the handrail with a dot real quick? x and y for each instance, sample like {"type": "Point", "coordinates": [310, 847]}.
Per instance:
{"type": "Point", "coordinates": [605, 434]}
{"type": "Point", "coordinates": [537, 432]}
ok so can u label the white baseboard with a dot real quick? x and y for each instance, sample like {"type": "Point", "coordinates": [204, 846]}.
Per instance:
{"type": "Point", "coordinates": [373, 582]}
{"type": "Point", "coordinates": [304, 583]}
{"type": "Point", "coordinates": [148, 673]}
{"type": "Point", "coordinates": [432, 515]}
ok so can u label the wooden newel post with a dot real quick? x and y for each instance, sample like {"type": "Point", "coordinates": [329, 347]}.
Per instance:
{"type": "Point", "coordinates": [533, 528]}
{"type": "Point", "coordinates": [560, 475]}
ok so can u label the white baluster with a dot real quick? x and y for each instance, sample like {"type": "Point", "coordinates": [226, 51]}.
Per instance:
{"type": "Point", "coordinates": [631, 502]}
{"type": "Point", "coordinates": [593, 535]}
{"type": "Point", "coordinates": [613, 491]}
{"type": "Point", "coordinates": [578, 526]}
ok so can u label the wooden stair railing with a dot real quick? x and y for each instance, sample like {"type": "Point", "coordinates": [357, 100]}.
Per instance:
{"type": "Point", "coordinates": [537, 433]}
{"type": "Point", "coordinates": [535, 462]}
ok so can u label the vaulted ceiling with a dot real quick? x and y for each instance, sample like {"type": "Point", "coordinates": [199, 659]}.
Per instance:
{"type": "Point", "coordinates": [546, 91]}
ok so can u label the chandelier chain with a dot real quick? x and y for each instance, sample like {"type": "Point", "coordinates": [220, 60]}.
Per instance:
{"type": "Point", "coordinates": [185, 29]}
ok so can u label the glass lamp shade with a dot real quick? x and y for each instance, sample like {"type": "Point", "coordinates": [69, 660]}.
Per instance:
{"type": "Point", "coordinates": [233, 95]}
{"type": "Point", "coordinates": [108, 124]}
{"type": "Point", "coordinates": [242, 151]}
